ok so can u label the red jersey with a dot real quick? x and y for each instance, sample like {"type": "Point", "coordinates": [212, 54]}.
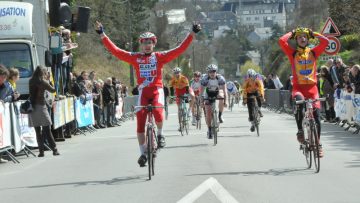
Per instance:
{"type": "Point", "coordinates": [148, 67]}
{"type": "Point", "coordinates": [303, 60]}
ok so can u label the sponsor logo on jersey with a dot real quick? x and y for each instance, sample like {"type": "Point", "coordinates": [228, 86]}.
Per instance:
{"type": "Point", "coordinates": [305, 72]}
{"type": "Point", "coordinates": [305, 62]}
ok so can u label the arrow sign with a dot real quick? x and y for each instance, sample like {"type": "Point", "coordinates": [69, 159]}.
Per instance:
{"type": "Point", "coordinates": [210, 184]}
{"type": "Point", "coordinates": [330, 28]}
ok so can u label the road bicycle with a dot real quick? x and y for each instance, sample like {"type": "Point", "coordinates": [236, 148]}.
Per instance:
{"type": "Point", "coordinates": [256, 114]}
{"type": "Point", "coordinates": [183, 114]}
{"type": "Point", "coordinates": [311, 146]}
{"type": "Point", "coordinates": [198, 112]}
{"type": "Point", "coordinates": [151, 138]}
{"type": "Point", "coordinates": [214, 121]}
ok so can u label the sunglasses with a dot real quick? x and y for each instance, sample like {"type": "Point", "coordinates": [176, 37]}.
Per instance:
{"type": "Point", "coordinates": [213, 71]}
{"type": "Point", "coordinates": [147, 42]}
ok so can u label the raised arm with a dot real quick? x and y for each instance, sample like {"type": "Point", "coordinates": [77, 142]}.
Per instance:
{"type": "Point", "coordinates": [284, 44]}
{"type": "Point", "coordinates": [116, 51]}
{"type": "Point", "coordinates": [169, 55]}
{"type": "Point", "coordinates": [320, 48]}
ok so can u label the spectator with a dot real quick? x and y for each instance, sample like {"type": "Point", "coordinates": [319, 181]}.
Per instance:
{"type": "Point", "coordinates": [337, 73]}
{"type": "Point", "coordinates": [288, 84]}
{"type": "Point", "coordinates": [14, 76]}
{"type": "Point", "coordinates": [277, 82]}
{"type": "Point", "coordinates": [109, 101]}
{"type": "Point", "coordinates": [117, 89]}
{"type": "Point", "coordinates": [7, 94]}
{"type": "Point", "coordinates": [327, 90]}
{"type": "Point", "coordinates": [92, 76]}
{"type": "Point", "coordinates": [124, 91]}
{"type": "Point", "coordinates": [330, 63]}
{"type": "Point", "coordinates": [355, 78]}
{"type": "Point", "coordinates": [40, 117]}
{"type": "Point", "coordinates": [98, 105]}
{"type": "Point", "coordinates": [270, 82]}
{"type": "Point", "coordinates": [135, 90]}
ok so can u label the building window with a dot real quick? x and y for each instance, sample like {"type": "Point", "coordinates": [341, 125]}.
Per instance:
{"type": "Point", "coordinates": [256, 18]}
{"type": "Point", "coordinates": [273, 17]}
{"type": "Point", "coordinates": [248, 18]}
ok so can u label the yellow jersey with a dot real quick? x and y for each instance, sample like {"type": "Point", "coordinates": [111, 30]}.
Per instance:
{"type": "Point", "coordinates": [253, 86]}
{"type": "Point", "coordinates": [179, 83]}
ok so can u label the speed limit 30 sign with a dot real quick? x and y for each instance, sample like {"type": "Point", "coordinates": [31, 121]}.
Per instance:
{"type": "Point", "coordinates": [333, 47]}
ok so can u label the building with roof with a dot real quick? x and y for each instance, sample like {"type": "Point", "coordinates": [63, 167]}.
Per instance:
{"type": "Point", "coordinates": [262, 13]}
{"type": "Point", "coordinates": [217, 21]}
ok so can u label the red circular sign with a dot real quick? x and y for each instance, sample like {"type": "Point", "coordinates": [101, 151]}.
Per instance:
{"type": "Point", "coordinates": [333, 47]}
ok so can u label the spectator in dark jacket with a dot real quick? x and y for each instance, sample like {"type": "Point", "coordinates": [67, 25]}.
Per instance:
{"type": "Point", "coordinates": [355, 78]}
{"type": "Point", "coordinates": [270, 82]}
{"type": "Point", "coordinates": [109, 101]}
{"type": "Point", "coordinates": [39, 118]}
{"type": "Point", "coordinates": [327, 90]}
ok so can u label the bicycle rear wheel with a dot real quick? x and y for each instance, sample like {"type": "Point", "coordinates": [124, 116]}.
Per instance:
{"type": "Point", "coordinates": [257, 120]}
{"type": "Point", "coordinates": [306, 148]}
{"type": "Point", "coordinates": [214, 127]}
{"type": "Point", "coordinates": [149, 138]}
{"type": "Point", "coordinates": [231, 103]}
{"type": "Point", "coordinates": [181, 123]}
{"type": "Point", "coordinates": [315, 146]}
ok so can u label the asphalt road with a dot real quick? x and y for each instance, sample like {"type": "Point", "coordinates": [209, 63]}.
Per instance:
{"type": "Point", "coordinates": [102, 167]}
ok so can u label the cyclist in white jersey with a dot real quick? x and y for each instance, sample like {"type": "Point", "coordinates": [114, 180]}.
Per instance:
{"type": "Point", "coordinates": [195, 87]}
{"type": "Point", "coordinates": [232, 90]}
{"type": "Point", "coordinates": [213, 85]}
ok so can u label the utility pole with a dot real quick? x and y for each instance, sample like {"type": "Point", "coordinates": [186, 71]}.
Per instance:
{"type": "Point", "coordinates": [132, 82]}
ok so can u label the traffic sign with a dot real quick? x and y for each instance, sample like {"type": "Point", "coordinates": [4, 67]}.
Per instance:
{"type": "Point", "coordinates": [333, 46]}
{"type": "Point", "coordinates": [330, 28]}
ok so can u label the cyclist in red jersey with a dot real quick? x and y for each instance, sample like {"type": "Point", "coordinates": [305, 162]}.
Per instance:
{"type": "Point", "coordinates": [148, 67]}
{"type": "Point", "coordinates": [303, 67]}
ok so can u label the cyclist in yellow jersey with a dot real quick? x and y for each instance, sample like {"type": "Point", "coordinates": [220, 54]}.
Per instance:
{"type": "Point", "coordinates": [253, 86]}
{"type": "Point", "coordinates": [179, 84]}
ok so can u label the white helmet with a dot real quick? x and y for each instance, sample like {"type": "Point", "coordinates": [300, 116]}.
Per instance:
{"type": "Point", "coordinates": [211, 67]}
{"type": "Point", "coordinates": [148, 35]}
{"type": "Point", "coordinates": [176, 70]}
{"type": "Point", "coordinates": [251, 73]}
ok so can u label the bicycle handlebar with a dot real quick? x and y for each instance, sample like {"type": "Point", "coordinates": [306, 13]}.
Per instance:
{"type": "Point", "coordinates": [310, 100]}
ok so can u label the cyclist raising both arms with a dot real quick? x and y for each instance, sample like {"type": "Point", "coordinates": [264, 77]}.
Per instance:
{"type": "Point", "coordinates": [213, 85]}
{"type": "Point", "coordinates": [148, 67]}
{"type": "Point", "coordinates": [303, 67]}
{"type": "Point", "coordinates": [253, 86]}
{"type": "Point", "coordinates": [195, 86]}
{"type": "Point", "coordinates": [180, 84]}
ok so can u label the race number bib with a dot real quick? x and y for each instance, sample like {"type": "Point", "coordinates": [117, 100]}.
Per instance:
{"type": "Point", "coordinates": [148, 71]}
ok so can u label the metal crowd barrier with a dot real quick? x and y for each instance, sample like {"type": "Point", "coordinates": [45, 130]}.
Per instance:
{"type": "Point", "coordinates": [278, 100]}
{"type": "Point", "coordinates": [129, 103]}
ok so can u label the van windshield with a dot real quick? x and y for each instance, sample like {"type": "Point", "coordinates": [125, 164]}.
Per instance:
{"type": "Point", "coordinates": [17, 55]}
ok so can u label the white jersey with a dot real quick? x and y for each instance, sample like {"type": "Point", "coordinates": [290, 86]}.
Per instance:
{"type": "Point", "coordinates": [212, 85]}
{"type": "Point", "coordinates": [195, 85]}
{"type": "Point", "coordinates": [231, 87]}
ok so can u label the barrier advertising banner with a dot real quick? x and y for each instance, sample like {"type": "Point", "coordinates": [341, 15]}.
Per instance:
{"type": "Point", "coordinates": [5, 125]}
{"type": "Point", "coordinates": [84, 113]}
{"type": "Point", "coordinates": [69, 109]}
{"type": "Point", "coordinates": [119, 109]}
{"type": "Point", "coordinates": [21, 129]}
{"type": "Point", "coordinates": [59, 113]}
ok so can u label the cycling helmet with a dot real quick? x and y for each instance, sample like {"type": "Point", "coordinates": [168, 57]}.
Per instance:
{"type": "Point", "coordinates": [197, 74]}
{"type": "Point", "coordinates": [176, 70]}
{"type": "Point", "coordinates": [251, 73]}
{"type": "Point", "coordinates": [148, 35]}
{"type": "Point", "coordinates": [301, 30]}
{"type": "Point", "coordinates": [211, 67]}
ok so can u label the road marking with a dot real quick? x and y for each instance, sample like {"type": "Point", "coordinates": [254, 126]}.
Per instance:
{"type": "Point", "coordinates": [210, 184]}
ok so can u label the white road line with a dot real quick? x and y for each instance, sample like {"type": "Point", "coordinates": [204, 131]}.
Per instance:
{"type": "Point", "coordinates": [210, 184]}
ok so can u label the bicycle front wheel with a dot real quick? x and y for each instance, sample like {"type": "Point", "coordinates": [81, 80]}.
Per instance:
{"type": "Point", "coordinates": [181, 122]}
{"type": "Point", "coordinates": [198, 116]}
{"type": "Point", "coordinates": [315, 146]}
{"type": "Point", "coordinates": [214, 127]}
{"type": "Point", "coordinates": [149, 139]}
{"type": "Point", "coordinates": [306, 148]}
